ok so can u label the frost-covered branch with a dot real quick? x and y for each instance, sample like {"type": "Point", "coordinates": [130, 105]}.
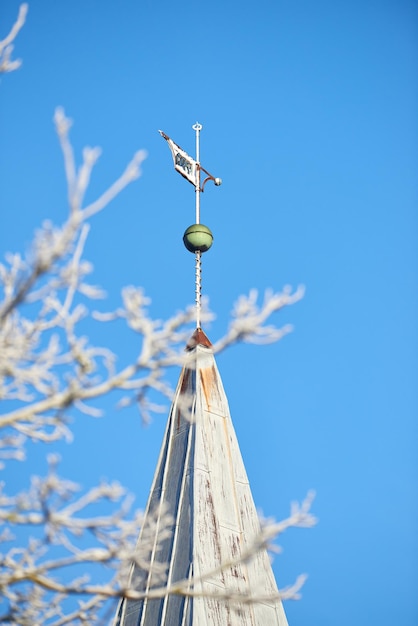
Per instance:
{"type": "Point", "coordinates": [249, 319]}
{"type": "Point", "coordinates": [63, 539]}
{"type": "Point", "coordinates": [6, 44]}
{"type": "Point", "coordinates": [45, 365]}
{"type": "Point", "coordinates": [57, 517]}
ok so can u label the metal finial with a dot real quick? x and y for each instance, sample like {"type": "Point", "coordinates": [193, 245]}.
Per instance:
{"type": "Point", "coordinates": [197, 238]}
{"type": "Point", "coordinates": [198, 254]}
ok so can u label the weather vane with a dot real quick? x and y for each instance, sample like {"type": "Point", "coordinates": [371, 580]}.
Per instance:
{"type": "Point", "coordinates": [197, 238]}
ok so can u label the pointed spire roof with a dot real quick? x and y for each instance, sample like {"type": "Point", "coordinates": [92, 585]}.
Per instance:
{"type": "Point", "coordinates": [201, 483]}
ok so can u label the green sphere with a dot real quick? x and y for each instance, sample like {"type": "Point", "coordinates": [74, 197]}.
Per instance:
{"type": "Point", "coordinates": [198, 238]}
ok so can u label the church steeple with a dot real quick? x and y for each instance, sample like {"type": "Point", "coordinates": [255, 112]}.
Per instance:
{"type": "Point", "coordinates": [201, 485]}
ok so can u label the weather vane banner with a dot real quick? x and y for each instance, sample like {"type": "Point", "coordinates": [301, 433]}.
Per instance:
{"type": "Point", "coordinates": [183, 163]}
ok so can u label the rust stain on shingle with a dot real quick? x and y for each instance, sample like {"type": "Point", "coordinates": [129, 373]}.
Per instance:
{"type": "Point", "coordinates": [209, 383]}
{"type": "Point", "coordinates": [185, 381]}
{"type": "Point", "coordinates": [183, 392]}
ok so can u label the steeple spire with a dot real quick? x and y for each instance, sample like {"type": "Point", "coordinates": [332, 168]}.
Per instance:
{"type": "Point", "coordinates": [200, 521]}
{"type": "Point", "coordinates": [201, 485]}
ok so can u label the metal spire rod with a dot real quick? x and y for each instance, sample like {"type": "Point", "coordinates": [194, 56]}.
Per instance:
{"type": "Point", "coordinates": [198, 255]}
{"type": "Point", "coordinates": [198, 288]}
{"type": "Point", "coordinates": [197, 128]}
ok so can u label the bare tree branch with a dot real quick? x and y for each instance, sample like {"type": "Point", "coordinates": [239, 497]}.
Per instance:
{"type": "Point", "coordinates": [6, 44]}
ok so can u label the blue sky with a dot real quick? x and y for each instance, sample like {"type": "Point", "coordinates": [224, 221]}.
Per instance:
{"type": "Point", "coordinates": [309, 115]}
